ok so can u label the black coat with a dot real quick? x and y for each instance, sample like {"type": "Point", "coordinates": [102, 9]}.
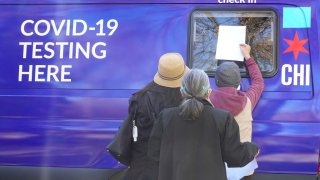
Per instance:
{"type": "Point", "coordinates": [197, 149]}
{"type": "Point", "coordinates": [149, 103]}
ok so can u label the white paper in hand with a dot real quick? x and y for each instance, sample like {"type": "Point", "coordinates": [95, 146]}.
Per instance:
{"type": "Point", "coordinates": [229, 40]}
{"type": "Point", "coordinates": [238, 173]}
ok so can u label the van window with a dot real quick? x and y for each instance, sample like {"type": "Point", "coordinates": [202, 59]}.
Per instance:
{"type": "Point", "coordinates": [261, 34]}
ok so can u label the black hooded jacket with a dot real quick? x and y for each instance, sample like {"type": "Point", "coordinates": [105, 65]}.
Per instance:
{"type": "Point", "coordinates": [149, 103]}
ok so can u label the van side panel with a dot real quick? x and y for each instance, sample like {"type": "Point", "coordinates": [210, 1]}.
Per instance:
{"type": "Point", "coordinates": [69, 124]}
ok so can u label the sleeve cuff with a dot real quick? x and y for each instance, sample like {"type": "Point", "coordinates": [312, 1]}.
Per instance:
{"type": "Point", "coordinates": [249, 61]}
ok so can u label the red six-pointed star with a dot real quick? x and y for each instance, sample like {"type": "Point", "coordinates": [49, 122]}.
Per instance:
{"type": "Point", "coordinates": [296, 46]}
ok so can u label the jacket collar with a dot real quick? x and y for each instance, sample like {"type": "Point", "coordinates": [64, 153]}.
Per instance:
{"type": "Point", "coordinates": [205, 102]}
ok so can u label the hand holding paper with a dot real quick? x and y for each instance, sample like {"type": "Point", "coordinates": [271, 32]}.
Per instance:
{"type": "Point", "coordinates": [229, 39]}
{"type": "Point", "coordinates": [245, 49]}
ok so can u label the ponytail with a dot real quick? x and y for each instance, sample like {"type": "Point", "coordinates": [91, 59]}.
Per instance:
{"type": "Point", "coordinates": [195, 86]}
{"type": "Point", "coordinates": [191, 108]}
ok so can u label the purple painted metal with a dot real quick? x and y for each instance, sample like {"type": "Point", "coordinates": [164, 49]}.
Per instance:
{"type": "Point", "coordinates": [69, 124]}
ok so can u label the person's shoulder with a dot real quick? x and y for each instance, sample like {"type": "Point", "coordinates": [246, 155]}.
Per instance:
{"type": "Point", "coordinates": [134, 99]}
{"type": "Point", "coordinates": [167, 114]}
{"type": "Point", "coordinates": [171, 110]}
{"type": "Point", "coordinates": [217, 111]}
{"type": "Point", "coordinates": [138, 96]}
{"type": "Point", "coordinates": [220, 116]}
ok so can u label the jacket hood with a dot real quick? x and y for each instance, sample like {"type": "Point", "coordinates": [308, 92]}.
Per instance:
{"type": "Point", "coordinates": [229, 99]}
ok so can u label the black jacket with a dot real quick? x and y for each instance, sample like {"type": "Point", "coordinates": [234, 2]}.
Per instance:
{"type": "Point", "coordinates": [197, 149]}
{"type": "Point", "coordinates": [149, 104]}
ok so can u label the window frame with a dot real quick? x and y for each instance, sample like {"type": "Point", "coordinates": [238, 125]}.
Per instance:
{"type": "Point", "coordinates": [276, 34]}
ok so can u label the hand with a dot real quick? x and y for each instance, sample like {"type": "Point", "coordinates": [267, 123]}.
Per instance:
{"type": "Point", "coordinates": [245, 49]}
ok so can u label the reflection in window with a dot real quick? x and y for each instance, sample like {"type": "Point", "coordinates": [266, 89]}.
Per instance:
{"type": "Point", "coordinates": [260, 35]}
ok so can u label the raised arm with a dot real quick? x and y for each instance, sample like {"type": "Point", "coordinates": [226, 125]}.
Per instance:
{"type": "Point", "coordinates": [257, 83]}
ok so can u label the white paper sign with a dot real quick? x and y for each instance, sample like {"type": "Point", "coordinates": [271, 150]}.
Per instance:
{"type": "Point", "coordinates": [229, 40]}
{"type": "Point", "coordinates": [238, 173]}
